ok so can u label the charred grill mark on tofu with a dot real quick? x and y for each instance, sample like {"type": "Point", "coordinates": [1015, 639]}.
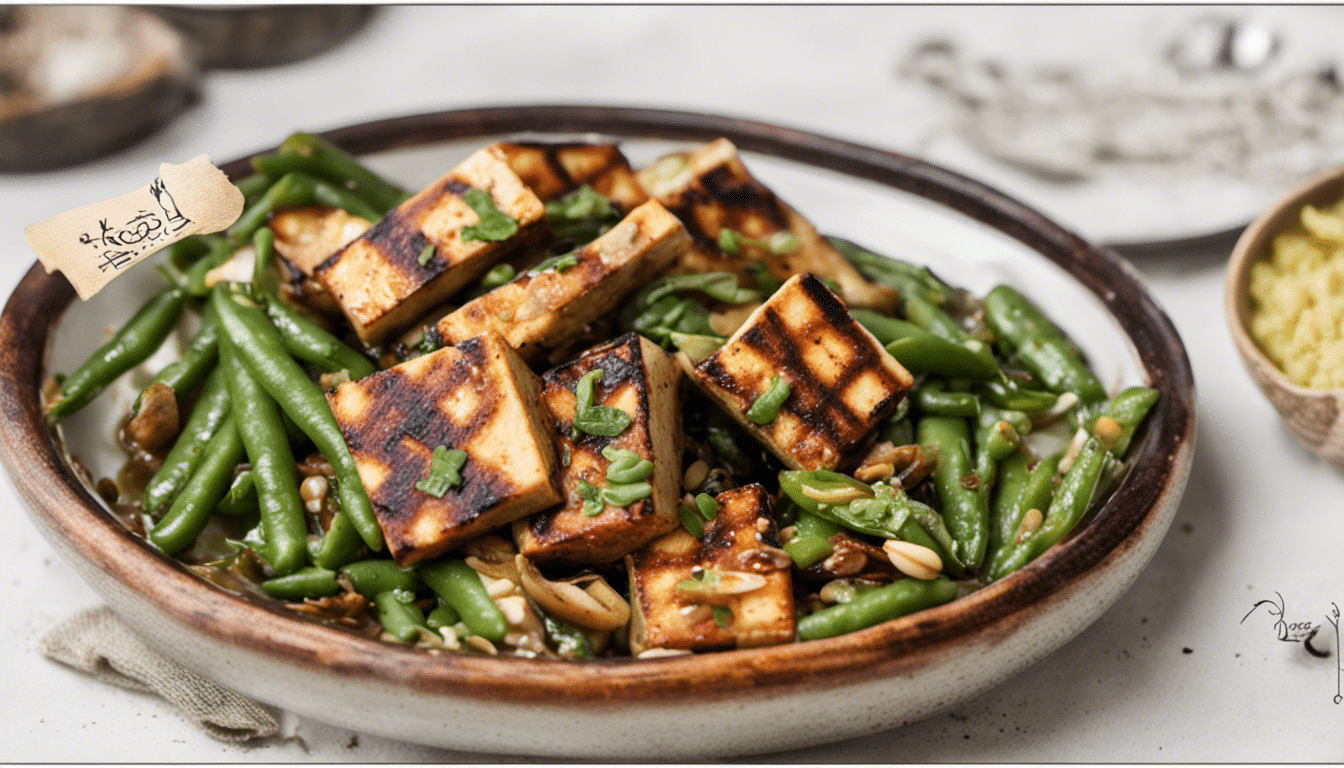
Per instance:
{"type": "Point", "coordinates": [726, 187]}
{"type": "Point", "coordinates": [841, 381]}
{"type": "Point", "coordinates": [638, 378]}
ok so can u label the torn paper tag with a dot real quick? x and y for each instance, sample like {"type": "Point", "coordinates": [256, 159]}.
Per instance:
{"type": "Point", "coordinates": [93, 244]}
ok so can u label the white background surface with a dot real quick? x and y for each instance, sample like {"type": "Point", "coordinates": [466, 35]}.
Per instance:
{"type": "Point", "coordinates": [1260, 516]}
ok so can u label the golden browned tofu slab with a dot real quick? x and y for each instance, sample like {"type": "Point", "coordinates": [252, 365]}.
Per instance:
{"type": "Point", "coordinates": [304, 238]}
{"type": "Point", "coordinates": [842, 383]}
{"type": "Point", "coordinates": [738, 566]}
{"type": "Point", "coordinates": [538, 311]}
{"type": "Point", "coordinates": [710, 190]}
{"type": "Point", "coordinates": [552, 170]}
{"type": "Point", "coordinates": [379, 279]}
{"type": "Point", "coordinates": [640, 379]}
{"type": "Point", "coordinates": [478, 397]}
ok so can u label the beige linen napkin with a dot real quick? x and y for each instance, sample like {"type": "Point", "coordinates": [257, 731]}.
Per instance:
{"type": "Point", "coordinates": [97, 642]}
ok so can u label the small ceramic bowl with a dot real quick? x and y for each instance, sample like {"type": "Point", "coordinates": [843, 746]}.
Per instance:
{"type": "Point", "coordinates": [1315, 415]}
{"type": "Point", "coordinates": [690, 707]}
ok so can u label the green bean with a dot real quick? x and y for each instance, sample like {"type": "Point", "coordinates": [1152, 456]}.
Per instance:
{"type": "Point", "coordinates": [1013, 397]}
{"type": "Point", "coordinates": [931, 317]}
{"type": "Point", "coordinates": [1011, 506]}
{"type": "Point", "coordinates": [340, 545]}
{"type": "Point", "coordinates": [399, 615]}
{"type": "Point", "coordinates": [220, 251]}
{"type": "Point", "coordinates": [1127, 411]}
{"type": "Point", "coordinates": [811, 542]}
{"type": "Point", "coordinates": [342, 168]}
{"type": "Point", "coordinates": [569, 642]}
{"type": "Point", "coordinates": [261, 427]}
{"type": "Point", "coordinates": [191, 510]}
{"type": "Point", "coordinates": [442, 617]}
{"type": "Point", "coordinates": [369, 577]}
{"type": "Point", "coordinates": [255, 185]}
{"type": "Point", "coordinates": [905, 277]}
{"type": "Point", "coordinates": [964, 509]}
{"type": "Point", "coordinates": [885, 329]}
{"type": "Point", "coordinates": [899, 598]}
{"type": "Point", "coordinates": [1040, 344]}
{"type": "Point", "coordinates": [185, 252]}
{"type": "Point", "coordinates": [1071, 501]}
{"type": "Point", "coordinates": [461, 587]}
{"type": "Point", "coordinates": [131, 345]}
{"type": "Point", "coordinates": [260, 348]}
{"type": "Point", "coordinates": [932, 399]}
{"type": "Point", "coordinates": [1013, 474]}
{"type": "Point", "coordinates": [897, 431]}
{"type": "Point", "coordinates": [291, 191]}
{"type": "Point", "coordinates": [198, 358]}
{"type": "Point", "coordinates": [927, 353]}
{"type": "Point", "coordinates": [210, 412]}
{"type": "Point", "coordinates": [241, 498]}
{"type": "Point", "coordinates": [311, 343]}
{"type": "Point", "coordinates": [311, 582]}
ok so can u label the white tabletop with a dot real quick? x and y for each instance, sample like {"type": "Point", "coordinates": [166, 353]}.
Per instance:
{"type": "Point", "coordinates": [1172, 673]}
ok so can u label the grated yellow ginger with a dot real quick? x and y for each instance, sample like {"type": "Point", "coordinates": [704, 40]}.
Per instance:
{"type": "Point", "coordinates": [1297, 299]}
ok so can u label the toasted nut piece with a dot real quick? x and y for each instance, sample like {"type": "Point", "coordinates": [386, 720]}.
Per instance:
{"type": "Point", "coordinates": [313, 490]}
{"type": "Point", "coordinates": [595, 606]}
{"type": "Point", "coordinates": [1063, 404]}
{"type": "Point", "coordinates": [914, 560]}
{"type": "Point", "coordinates": [1071, 453]}
{"type": "Point", "coordinates": [482, 645]}
{"type": "Point", "coordinates": [497, 588]}
{"type": "Point", "coordinates": [717, 586]}
{"type": "Point", "coordinates": [762, 559]}
{"type": "Point", "coordinates": [1108, 431]}
{"type": "Point", "coordinates": [1030, 522]}
{"type": "Point", "coordinates": [694, 614]}
{"type": "Point", "coordinates": [841, 495]}
{"type": "Point", "coordinates": [871, 473]}
{"type": "Point", "coordinates": [695, 475]}
{"type": "Point", "coordinates": [157, 421]}
{"type": "Point", "coordinates": [845, 562]}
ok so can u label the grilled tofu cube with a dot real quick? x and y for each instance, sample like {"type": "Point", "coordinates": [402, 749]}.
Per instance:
{"type": "Point", "coordinates": [304, 238]}
{"type": "Point", "coordinates": [737, 565]}
{"type": "Point", "coordinates": [540, 310]}
{"type": "Point", "coordinates": [379, 279]}
{"type": "Point", "coordinates": [638, 378]}
{"type": "Point", "coordinates": [478, 397]}
{"type": "Point", "coordinates": [710, 190]}
{"type": "Point", "coordinates": [552, 170]}
{"type": "Point", "coordinates": [842, 382]}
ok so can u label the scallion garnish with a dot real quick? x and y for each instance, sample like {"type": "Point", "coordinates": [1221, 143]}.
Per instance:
{"type": "Point", "coordinates": [765, 408]}
{"type": "Point", "coordinates": [445, 471]}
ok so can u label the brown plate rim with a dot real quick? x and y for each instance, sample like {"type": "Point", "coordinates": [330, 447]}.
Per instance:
{"type": "Point", "coordinates": [65, 508]}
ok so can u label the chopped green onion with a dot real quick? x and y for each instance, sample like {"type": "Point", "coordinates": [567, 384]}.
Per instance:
{"type": "Point", "coordinates": [493, 225]}
{"type": "Point", "coordinates": [761, 275]}
{"type": "Point", "coordinates": [426, 255]}
{"type": "Point", "coordinates": [445, 471]}
{"type": "Point", "coordinates": [558, 263]}
{"type": "Point", "coordinates": [592, 498]}
{"type": "Point", "coordinates": [723, 616]}
{"type": "Point", "coordinates": [600, 420]}
{"type": "Point", "coordinates": [781, 243]}
{"type": "Point", "coordinates": [626, 466]}
{"type": "Point", "coordinates": [626, 494]}
{"type": "Point", "coordinates": [765, 408]}
{"type": "Point", "coordinates": [497, 276]}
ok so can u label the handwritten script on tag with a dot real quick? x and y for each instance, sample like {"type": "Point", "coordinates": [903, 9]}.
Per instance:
{"type": "Point", "coordinates": [94, 243]}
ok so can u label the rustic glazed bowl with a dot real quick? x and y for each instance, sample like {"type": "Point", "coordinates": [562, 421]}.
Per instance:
{"type": "Point", "coordinates": [702, 706]}
{"type": "Point", "coordinates": [1315, 415]}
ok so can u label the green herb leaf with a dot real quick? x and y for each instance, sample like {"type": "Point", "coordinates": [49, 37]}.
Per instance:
{"type": "Point", "coordinates": [766, 406]}
{"type": "Point", "coordinates": [558, 263]}
{"type": "Point", "coordinates": [707, 506]}
{"type": "Point", "coordinates": [497, 276]}
{"type": "Point", "coordinates": [426, 255]}
{"type": "Point", "coordinates": [581, 216]}
{"type": "Point", "coordinates": [691, 521]}
{"type": "Point", "coordinates": [445, 471]}
{"type": "Point", "coordinates": [493, 225]}
{"type": "Point", "coordinates": [762, 276]}
{"type": "Point", "coordinates": [723, 616]}
{"type": "Point", "coordinates": [593, 419]}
